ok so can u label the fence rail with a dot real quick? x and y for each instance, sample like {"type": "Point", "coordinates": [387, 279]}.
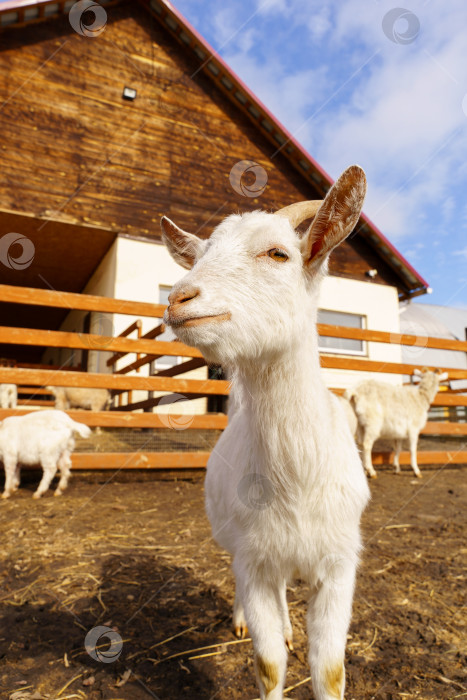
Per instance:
{"type": "Point", "coordinates": [145, 348]}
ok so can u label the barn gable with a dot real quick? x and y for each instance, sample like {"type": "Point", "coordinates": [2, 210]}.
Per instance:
{"type": "Point", "coordinates": [75, 153]}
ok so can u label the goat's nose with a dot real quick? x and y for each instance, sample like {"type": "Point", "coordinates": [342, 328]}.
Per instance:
{"type": "Point", "coordinates": [183, 295]}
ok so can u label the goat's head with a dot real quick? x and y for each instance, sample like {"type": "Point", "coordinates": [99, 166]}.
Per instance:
{"type": "Point", "coordinates": [429, 380]}
{"type": "Point", "coordinates": [250, 291]}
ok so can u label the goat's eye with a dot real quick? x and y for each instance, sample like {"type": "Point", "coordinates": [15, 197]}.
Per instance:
{"type": "Point", "coordinates": [278, 254]}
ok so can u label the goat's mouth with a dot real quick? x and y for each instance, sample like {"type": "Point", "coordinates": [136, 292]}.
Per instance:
{"type": "Point", "coordinates": [191, 321]}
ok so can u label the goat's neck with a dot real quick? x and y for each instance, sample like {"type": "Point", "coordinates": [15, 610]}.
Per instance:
{"type": "Point", "coordinates": [426, 392]}
{"type": "Point", "coordinates": [284, 390]}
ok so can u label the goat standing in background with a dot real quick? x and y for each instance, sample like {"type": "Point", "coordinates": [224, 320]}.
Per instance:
{"type": "Point", "coordinates": [393, 412]}
{"type": "Point", "coordinates": [250, 304]}
{"type": "Point", "coordinates": [79, 397]}
{"type": "Point", "coordinates": [41, 437]}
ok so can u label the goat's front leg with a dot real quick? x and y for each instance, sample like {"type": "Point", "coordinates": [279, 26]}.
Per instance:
{"type": "Point", "coordinates": [10, 478]}
{"type": "Point", "coordinates": [397, 451]}
{"type": "Point", "coordinates": [329, 615]}
{"type": "Point", "coordinates": [288, 633]}
{"type": "Point", "coordinates": [367, 445]}
{"type": "Point", "coordinates": [239, 622]}
{"type": "Point", "coordinates": [413, 442]}
{"type": "Point", "coordinates": [265, 623]}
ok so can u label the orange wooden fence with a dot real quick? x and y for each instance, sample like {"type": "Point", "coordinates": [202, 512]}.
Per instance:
{"type": "Point", "coordinates": [145, 348]}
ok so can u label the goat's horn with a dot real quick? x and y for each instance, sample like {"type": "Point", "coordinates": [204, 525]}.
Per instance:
{"type": "Point", "coordinates": [300, 211]}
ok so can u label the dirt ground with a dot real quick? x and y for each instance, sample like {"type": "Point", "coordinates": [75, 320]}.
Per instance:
{"type": "Point", "coordinates": [132, 552]}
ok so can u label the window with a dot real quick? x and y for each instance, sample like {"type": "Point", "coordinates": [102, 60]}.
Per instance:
{"type": "Point", "coordinates": [166, 361]}
{"type": "Point", "coordinates": [345, 346]}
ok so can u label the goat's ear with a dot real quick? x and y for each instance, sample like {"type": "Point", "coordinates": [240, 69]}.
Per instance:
{"type": "Point", "coordinates": [336, 217]}
{"type": "Point", "coordinates": [182, 246]}
{"type": "Point", "coordinates": [443, 376]}
{"type": "Point", "coordinates": [417, 372]}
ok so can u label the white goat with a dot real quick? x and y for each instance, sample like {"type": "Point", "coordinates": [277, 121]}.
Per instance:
{"type": "Point", "coordinates": [393, 412]}
{"type": "Point", "coordinates": [285, 487]}
{"type": "Point", "coordinates": [79, 397]}
{"type": "Point", "coordinates": [8, 396]}
{"type": "Point", "coordinates": [42, 437]}
{"type": "Point", "coordinates": [349, 414]}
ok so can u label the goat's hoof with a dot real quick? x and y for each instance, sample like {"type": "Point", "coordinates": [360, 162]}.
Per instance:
{"type": "Point", "coordinates": [289, 644]}
{"type": "Point", "coordinates": [373, 476]}
{"type": "Point", "coordinates": [58, 493]}
{"type": "Point", "coordinates": [36, 495]}
{"type": "Point", "coordinates": [241, 631]}
{"type": "Point", "coordinates": [5, 494]}
{"type": "Point", "coordinates": [419, 475]}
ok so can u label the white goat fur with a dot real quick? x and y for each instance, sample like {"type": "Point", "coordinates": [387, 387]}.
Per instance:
{"type": "Point", "coordinates": [349, 414]}
{"type": "Point", "coordinates": [77, 397]}
{"type": "Point", "coordinates": [253, 311]}
{"type": "Point", "coordinates": [8, 396]}
{"type": "Point", "coordinates": [392, 412]}
{"type": "Point", "coordinates": [42, 437]}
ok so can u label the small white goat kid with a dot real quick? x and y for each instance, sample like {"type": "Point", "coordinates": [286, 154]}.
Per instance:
{"type": "Point", "coordinates": [250, 304]}
{"type": "Point", "coordinates": [8, 396]}
{"type": "Point", "coordinates": [42, 437]}
{"type": "Point", "coordinates": [393, 412]}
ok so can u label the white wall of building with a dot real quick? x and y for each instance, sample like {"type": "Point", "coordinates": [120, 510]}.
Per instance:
{"type": "Point", "coordinates": [379, 304]}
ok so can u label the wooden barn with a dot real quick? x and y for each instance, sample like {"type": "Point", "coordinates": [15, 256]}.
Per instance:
{"type": "Point", "coordinates": [110, 119]}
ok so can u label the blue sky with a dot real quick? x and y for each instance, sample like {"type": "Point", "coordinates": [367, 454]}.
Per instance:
{"type": "Point", "coordinates": [359, 81]}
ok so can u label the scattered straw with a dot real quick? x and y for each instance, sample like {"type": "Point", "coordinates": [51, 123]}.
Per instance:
{"type": "Point", "coordinates": [371, 644]}
{"type": "Point", "coordinates": [203, 656]}
{"type": "Point", "coordinates": [397, 527]}
{"type": "Point", "coordinates": [164, 641]}
{"type": "Point", "coordinates": [292, 687]}
{"type": "Point", "coordinates": [67, 685]}
{"type": "Point", "coordinates": [191, 651]}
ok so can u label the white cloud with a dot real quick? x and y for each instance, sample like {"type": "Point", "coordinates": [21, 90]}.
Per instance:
{"type": "Point", "coordinates": [348, 93]}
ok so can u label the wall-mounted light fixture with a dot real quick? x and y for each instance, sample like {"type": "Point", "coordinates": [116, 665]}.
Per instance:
{"type": "Point", "coordinates": [371, 273]}
{"type": "Point", "coordinates": [129, 93]}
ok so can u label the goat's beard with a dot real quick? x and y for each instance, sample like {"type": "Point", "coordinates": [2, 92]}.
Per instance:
{"type": "Point", "coordinates": [229, 346]}
{"type": "Point", "coordinates": [205, 338]}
